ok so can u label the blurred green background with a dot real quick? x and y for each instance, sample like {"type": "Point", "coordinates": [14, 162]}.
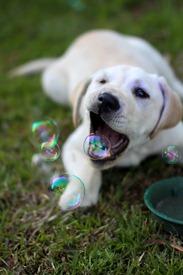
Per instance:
{"type": "Point", "coordinates": [118, 236]}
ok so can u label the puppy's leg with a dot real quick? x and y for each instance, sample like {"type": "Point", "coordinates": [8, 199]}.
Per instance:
{"type": "Point", "coordinates": [76, 163]}
{"type": "Point", "coordinates": [55, 82]}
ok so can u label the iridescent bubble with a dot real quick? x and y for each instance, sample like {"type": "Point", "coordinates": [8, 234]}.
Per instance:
{"type": "Point", "coordinates": [50, 151]}
{"type": "Point", "coordinates": [170, 154]}
{"type": "Point", "coordinates": [97, 147]}
{"type": "Point", "coordinates": [45, 131]}
{"type": "Point", "coordinates": [58, 184]}
{"type": "Point", "coordinates": [77, 196]}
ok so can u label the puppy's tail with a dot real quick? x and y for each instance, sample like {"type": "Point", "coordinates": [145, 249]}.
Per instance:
{"type": "Point", "coordinates": [32, 67]}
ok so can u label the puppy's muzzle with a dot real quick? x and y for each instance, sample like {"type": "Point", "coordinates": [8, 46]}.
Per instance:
{"type": "Point", "coordinates": [107, 103]}
{"type": "Point", "coordinates": [100, 113]}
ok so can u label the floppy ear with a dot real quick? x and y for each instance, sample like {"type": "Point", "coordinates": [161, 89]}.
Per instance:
{"type": "Point", "coordinates": [171, 111]}
{"type": "Point", "coordinates": [76, 99]}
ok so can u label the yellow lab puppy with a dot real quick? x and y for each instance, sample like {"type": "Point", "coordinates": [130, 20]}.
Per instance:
{"type": "Point", "coordinates": [120, 87]}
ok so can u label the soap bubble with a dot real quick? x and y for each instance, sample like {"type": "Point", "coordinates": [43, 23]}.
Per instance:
{"type": "Point", "coordinates": [45, 131]}
{"type": "Point", "coordinates": [59, 183]}
{"type": "Point", "coordinates": [97, 147]}
{"type": "Point", "coordinates": [77, 196]}
{"type": "Point", "coordinates": [50, 151]}
{"type": "Point", "coordinates": [170, 154]}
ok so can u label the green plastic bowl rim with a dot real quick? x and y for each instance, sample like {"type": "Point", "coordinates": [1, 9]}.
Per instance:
{"type": "Point", "coordinates": [153, 210]}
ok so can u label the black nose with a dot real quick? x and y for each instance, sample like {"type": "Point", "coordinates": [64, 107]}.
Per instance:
{"type": "Point", "coordinates": [107, 103]}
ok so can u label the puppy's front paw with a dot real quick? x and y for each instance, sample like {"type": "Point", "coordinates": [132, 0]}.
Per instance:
{"type": "Point", "coordinates": [70, 197]}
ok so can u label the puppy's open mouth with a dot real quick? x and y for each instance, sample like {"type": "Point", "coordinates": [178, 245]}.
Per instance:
{"type": "Point", "coordinates": [118, 141]}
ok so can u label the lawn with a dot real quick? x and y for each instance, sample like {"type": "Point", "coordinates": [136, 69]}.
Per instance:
{"type": "Point", "coordinates": [118, 236]}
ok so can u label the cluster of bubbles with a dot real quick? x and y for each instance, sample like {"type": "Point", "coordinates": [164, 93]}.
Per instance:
{"type": "Point", "coordinates": [97, 147]}
{"type": "Point", "coordinates": [171, 154]}
{"type": "Point", "coordinates": [47, 140]}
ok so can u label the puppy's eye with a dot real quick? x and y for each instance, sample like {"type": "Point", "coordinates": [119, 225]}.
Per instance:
{"type": "Point", "coordinates": [139, 92]}
{"type": "Point", "coordinates": [102, 81]}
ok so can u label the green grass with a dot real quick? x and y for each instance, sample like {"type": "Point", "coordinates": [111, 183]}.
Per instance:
{"type": "Point", "coordinates": [118, 236]}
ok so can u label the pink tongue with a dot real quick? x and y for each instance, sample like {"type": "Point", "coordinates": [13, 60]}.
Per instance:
{"type": "Point", "coordinates": [105, 130]}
